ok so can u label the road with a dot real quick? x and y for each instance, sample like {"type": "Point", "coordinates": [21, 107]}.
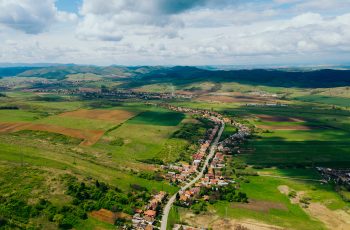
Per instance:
{"type": "Point", "coordinates": [192, 182]}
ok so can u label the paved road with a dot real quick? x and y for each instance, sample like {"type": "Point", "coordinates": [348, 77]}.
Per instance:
{"type": "Point", "coordinates": [192, 182]}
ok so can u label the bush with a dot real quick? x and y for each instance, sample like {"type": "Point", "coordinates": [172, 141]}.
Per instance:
{"type": "Point", "coordinates": [199, 207]}
{"type": "Point", "coordinates": [292, 194]}
{"type": "Point", "coordinates": [138, 187]}
{"type": "Point", "coordinates": [305, 200]}
{"type": "Point", "coordinates": [118, 142]}
{"type": "Point", "coordinates": [153, 161]}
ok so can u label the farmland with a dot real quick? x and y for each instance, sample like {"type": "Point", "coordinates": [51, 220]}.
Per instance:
{"type": "Point", "coordinates": [106, 126]}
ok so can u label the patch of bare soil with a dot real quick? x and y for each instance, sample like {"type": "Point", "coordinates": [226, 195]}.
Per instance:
{"type": "Point", "coordinates": [270, 118]}
{"type": "Point", "coordinates": [107, 216]}
{"type": "Point", "coordinates": [89, 137]}
{"type": "Point", "coordinates": [216, 223]}
{"type": "Point", "coordinates": [261, 206]}
{"type": "Point", "coordinates": [337, 220]}
{"type": "Point", "coordinates": [285, 190]}
{"type": "Point", "coordinates": [106, 115]}
{"type": "Point", "coordinates": [333, 219]}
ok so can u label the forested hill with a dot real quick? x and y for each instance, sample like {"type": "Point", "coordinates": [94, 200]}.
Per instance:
{"type": "Point", "coordinates": [303, 79]}
{"type": "Point", "coordinates": [13, 71]}
{"type": "Point", "coordinates": [182, 75]}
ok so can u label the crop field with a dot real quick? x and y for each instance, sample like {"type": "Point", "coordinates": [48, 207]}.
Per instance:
{"type": "Point", "coordinates": [89, 137]}
{"type": "Point", "coordinates": [88, 125]}
{"type": "Point", "coordinates": [338, 101]}
{"type": "Point", "coordinates": [116, 116]}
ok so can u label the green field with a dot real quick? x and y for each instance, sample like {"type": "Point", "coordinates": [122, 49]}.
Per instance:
{"type": "Point", "coordinates": [338, 101]}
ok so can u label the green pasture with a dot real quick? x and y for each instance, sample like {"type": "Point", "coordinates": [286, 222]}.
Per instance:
{"type": "Point", "coordinates": [18, 116]}
{"type": "Point", "coordinates": [337, 101]}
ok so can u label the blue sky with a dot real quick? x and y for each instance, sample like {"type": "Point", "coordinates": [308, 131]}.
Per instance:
{"type": "Point", "coordinates": [69, 5]}
{"type": "Point", "coordinates": [175, 32]}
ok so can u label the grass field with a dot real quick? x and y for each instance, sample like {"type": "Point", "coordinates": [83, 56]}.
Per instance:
{"type": "Point", "coordinates": [338, 101]}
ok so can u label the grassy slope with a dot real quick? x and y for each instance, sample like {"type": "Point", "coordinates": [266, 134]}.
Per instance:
{"type": "Point", "coordinates": [144, 137]}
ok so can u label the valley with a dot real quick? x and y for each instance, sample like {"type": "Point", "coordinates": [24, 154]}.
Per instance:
{"type": "Point", "coordinates": [93, 148]}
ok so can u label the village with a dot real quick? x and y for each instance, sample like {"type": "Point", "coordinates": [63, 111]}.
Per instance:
{"type": "Point", "coordinates": [147, 219]}
{"type": "Point", "coordinates": [181, 173]}
{"type": "Point", "coordinates": [109, 93]}
{"type": "Point", "coordinates": [337, 176]}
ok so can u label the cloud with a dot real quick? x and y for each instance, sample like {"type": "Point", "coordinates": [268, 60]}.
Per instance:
{"type": "Point", "coordinates": [113, 20]}
{"type": "Point", "coordinates": [176, 31]}
{"type": "Point", "coordinates": [31, 16]}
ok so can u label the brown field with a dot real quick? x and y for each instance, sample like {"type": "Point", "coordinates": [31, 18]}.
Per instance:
{"type": "Point", "coordinates": [287, 127]}
{"type": "Point", "coordinates": [89, 137]}
{"type": "Point", "coordinates": [98, 114]}
{"type": "Point", "coordinates": [236, 98]}
{"type": "Point", "coordinates": [107, 216]}
{"type": "Point", "coordinates": [279, 118]}
{"type": "Point", "coordinates": [261, 206]}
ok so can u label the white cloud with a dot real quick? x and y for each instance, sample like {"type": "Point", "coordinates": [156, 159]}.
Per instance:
{"type": "Point", "coordinates": [31, 16]}
{"type": "Point", "coordinates": [176, 32]}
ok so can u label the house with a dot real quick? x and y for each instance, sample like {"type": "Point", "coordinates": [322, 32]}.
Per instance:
{"type": "Point", "coordinates": [195, 190]}
{"type": "Point", "coordinates": [149, 215]}
{"type": "Point", "coordinates": [213, 181]}
{"type": "Point", "coordinates": [205, 181]}
{"type": "Point", "coordinates": [184, 198]}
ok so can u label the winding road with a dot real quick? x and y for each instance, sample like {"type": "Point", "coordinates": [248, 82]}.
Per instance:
{"type": "Point", "coordinates": [192, 182]}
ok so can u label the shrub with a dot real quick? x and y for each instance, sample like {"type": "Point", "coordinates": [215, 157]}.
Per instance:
{"type": "Point", "coordinates": [118, 142]}
{"type": "Point", "coordinates": [292, 194]}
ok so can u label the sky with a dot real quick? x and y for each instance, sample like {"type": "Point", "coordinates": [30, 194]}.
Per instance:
{"type": "Point", "coordinates": [175, 32]}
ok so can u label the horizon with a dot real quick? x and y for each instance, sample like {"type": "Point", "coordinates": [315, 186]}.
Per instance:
{"type": "Point", "coordinates": [233, 66]}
